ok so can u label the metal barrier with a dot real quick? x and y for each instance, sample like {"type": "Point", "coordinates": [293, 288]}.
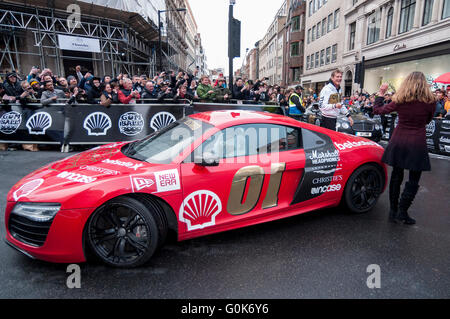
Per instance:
{"type": "Point", "coordinates": [93, 124]}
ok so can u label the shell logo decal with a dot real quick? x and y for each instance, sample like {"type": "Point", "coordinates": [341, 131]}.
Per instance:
{"type": "Point", "coordinates": [199, 210]}
{"type": "Point", "coordinates": [39, 123]}
{"type": "Point", "coordinates": [97, 124]}
{"type": "Point", "coordinates": [161, 120]}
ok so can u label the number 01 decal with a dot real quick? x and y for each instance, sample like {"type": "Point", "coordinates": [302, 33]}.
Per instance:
{"type": "Point", "coordinates": [237, 205]}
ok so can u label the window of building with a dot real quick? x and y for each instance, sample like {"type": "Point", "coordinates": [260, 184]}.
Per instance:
{"type": "Point", "coordinates": [407, 15]}
{"type": "Point", "coordinates": [296, 74]}
{"type": "Point", "coordinates": [320, 3]}
{"type": "Point", "coordinates": [317, 60]}
{"type": "Point", "coordinates": [312, 61]}
{"type": "Point", "coordinates": [373, 29]}
{"type": "Point", "coordinates": [295, 49]}
{"type": "Point", "coordinates": [334, 53]}
{"type": "Point", "coordinates": [330, 22]}
{"type": "Point", "coordinates": [427, 11]}
{"type": "Point", "coordinates": [324, 26]}
{"type": "Point", "coordinates": [328, 56]}
{"type": "Point", "coordinates": [446, 9]}
{"type": "Point", "coordinates": [352, 36]}
{"type": "Point", "coordinates": [336, 18]}
{"type": "Point", "coordinates": [318, 31]}
{"type": "Point", "coordinates": [310, 12]}
{"type": "Point", "coordinates": [316, 5]}
{"type": "Point", "coordinates": [295, 24]}
{"type": "Point", "coordinates": [390, 17]}
{"type": "Point", "coordinates": [322, 57]}
{"type": "Point", "coordinates": [313, 35]}
{"type": "Point", "coordinates": [355, 2]}
{"type": "Point", "coordinates": [309, 36]}
{"type": "Point", "coordinates": [307, 62]}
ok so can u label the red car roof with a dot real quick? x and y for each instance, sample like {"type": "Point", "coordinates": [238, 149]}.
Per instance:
{"type": "Point", "coordinates": [227, 118]}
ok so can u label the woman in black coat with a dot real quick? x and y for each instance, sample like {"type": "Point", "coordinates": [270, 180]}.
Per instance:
{"type": "Point", "coordinates": [415, 104]}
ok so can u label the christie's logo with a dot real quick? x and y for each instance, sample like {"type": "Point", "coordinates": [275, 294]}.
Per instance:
{"type": "Point", "coordinates": [349, 145]}
{"type": "Point", "coordinates": [324, 157]}
{"type": "Point", "coordinates": [329, 179]}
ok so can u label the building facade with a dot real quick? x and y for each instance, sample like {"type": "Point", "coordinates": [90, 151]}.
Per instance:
{"type": "Point", "coordinates": [191, 34]}
{"type": "Point", "coordinates": [324, 43]}
{"type": "Point", "coordinates": [396, 37]}
{"type": "Point", "coordinates": [293, 49]}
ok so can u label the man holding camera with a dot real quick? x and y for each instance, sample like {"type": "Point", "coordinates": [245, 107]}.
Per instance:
{"type": "Point", "coordinates": [330, 102]}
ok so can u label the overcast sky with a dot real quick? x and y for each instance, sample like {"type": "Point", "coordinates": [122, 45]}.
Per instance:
{"type": "Point", "coordinates": [212, 21]}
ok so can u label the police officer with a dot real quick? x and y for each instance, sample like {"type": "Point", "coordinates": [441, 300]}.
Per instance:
{"type": "Point", "coordinates": [330, 102]}
{"type": "Point", "coordinates": [296, 106]}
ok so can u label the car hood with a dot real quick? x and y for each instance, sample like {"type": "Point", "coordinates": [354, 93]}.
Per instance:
{"type": "Point", "coordinates": [80, 180]}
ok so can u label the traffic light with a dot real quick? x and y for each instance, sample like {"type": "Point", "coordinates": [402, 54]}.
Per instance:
{"type": "Point", "coordinates": [234, 39]}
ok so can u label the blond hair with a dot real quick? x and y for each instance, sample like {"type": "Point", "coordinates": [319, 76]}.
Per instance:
{"type": "Point", "coordinates": [414, 88]}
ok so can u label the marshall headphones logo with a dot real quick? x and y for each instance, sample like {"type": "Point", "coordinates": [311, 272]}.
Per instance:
{"type": "Point", "coordinates": [10, 122]}
{"type": "Point", "coordinates": [39, 123]}
{"type": "Point", "coordinates": [131, 123]}
{"type": "Point", "coordinates": [97, 124]}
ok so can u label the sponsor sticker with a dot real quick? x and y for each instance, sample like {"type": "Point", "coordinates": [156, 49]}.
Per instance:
{"type": "Point", "coordinates": [100, 170]}
{"type": "Point", "coordinates": [326, 189]}
{"type": "Point", "coordinates": [350, 145]}
{"type": "Point", "coordinates": [444, 139]}
{"type": "Point", "coordinates": [123, 164]}
{"type": "Point", "coordinates": [199, 210]}
{"type": "Point", "coordinates": [79, 178]}
{"type": "Point", "coordinates": [167, 180]}
{"type": "Point", "coordinates": [431, 127]}
{"type": "Point", "coordinates": [328, 179]}
{"type": "Point", "coordinates": [324, 157]}
{"type": "Point", "coordinates": [27, 188]}
{"type": "Point", "coordinates": [138, 183]}
{"type": "Point", "coordinates": [10, 122]}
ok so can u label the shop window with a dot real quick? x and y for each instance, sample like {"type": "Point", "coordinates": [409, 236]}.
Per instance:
{"type": "Point", "coordinates": [352, 36]}
{"type": "Point", "coordinates": [446, 9]}
{"type": "Point", "coordinates": [373, 31]}
{"type": "Point", "coordinates": [427, 11]}
{"type": "Point", "coordinates": [407, 15]}
{"type": "Point", "coordinates": [390, 17]}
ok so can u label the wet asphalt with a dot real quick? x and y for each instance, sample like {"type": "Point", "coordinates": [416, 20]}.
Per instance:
{"type": "Point", "coordinates": [321, 254]}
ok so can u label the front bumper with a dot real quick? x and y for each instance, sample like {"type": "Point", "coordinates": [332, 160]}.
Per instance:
{"type": "Point", "coordinates": [64, 242]}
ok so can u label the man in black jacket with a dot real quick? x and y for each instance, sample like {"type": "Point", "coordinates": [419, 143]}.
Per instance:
{"type": "Point", "coordinates": [95, 92]}
{"type": "Point", "coordinates": [12, 86]}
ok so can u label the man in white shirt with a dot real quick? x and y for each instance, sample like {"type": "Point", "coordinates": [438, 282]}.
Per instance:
{"type": "Point", "coordinates": [330, 102]}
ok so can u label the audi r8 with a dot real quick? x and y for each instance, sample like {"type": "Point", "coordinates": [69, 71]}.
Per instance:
{"type": "Point", "coordinates": [206, 173]}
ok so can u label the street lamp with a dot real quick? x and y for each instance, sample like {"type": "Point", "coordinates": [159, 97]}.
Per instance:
{"type": "Point", "coordinates": [159, 32]}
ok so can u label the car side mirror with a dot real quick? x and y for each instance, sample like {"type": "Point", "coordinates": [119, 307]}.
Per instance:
{"type": "Point", "coordinates": [207, 159]}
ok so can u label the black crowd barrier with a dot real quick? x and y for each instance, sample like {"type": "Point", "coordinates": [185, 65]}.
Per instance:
{"type": "Point", "coordinates": [87, 124]}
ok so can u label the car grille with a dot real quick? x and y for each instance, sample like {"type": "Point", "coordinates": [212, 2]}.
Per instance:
{"type": "Point", "coordinates": [29, 231]}
{"type": "Point", "coordinates": [363, 127]}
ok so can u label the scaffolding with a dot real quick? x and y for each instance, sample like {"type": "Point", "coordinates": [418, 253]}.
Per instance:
{"type": "Point", "coordinates": [123, 49]}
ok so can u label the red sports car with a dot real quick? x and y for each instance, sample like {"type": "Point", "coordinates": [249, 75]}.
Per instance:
{"type": "Point", "coordinates": [203, 174]}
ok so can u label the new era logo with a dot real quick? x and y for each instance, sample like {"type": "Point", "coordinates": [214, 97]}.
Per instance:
{"type": "Point", "coordinates": [140, 183]}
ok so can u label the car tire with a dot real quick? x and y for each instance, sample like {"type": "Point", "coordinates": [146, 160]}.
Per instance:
{"type": "Point", "coordinates": [124, 232]}
{"type": "Point", "coordinates": [363, 189]}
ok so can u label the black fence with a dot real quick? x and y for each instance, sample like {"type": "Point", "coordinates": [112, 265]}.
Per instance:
{"type": "Point", "coordinates": [94, 124]}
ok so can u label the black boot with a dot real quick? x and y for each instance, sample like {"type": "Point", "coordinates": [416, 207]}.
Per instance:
{"type": "Point", "coordinates": [405, 202]}
{"type": "Point", "coordinates": [394, 194]}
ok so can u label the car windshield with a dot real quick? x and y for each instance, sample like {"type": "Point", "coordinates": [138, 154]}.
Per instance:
{"type": "Point", "coordinates": [163, 146]}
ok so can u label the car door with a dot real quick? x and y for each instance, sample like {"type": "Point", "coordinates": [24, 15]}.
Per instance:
{"type": "Point", "coordinates": [259, 166]}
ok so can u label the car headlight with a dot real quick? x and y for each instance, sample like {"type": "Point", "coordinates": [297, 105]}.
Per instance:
{"type": "Point", "coordinates": [36, 212]}
{"type": "Point", "coordinates": [345, 125]}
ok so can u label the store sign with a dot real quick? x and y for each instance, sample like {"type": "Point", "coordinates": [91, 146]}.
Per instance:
{"type": "Point", "coordinates": [78, 44]}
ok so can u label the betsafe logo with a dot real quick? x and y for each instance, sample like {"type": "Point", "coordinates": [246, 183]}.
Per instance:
{"type": "Point", "coordinates": [350, 145]}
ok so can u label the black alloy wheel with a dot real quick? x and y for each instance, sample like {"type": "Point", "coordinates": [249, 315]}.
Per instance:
{"type": "Point", "coordinates": [363, 189]}
{"type": "Point", "coordinates": [123, 233]}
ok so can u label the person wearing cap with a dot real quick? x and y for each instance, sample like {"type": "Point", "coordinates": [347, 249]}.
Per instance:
{"type": "Point", "coordinates": [94, 94]}
{"type": "Point", "coordinates": [12, 87]}
{"type": "Point", "coordinates": [330, 102]}
{"type": "Point", "coordinates": [296, 106]}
